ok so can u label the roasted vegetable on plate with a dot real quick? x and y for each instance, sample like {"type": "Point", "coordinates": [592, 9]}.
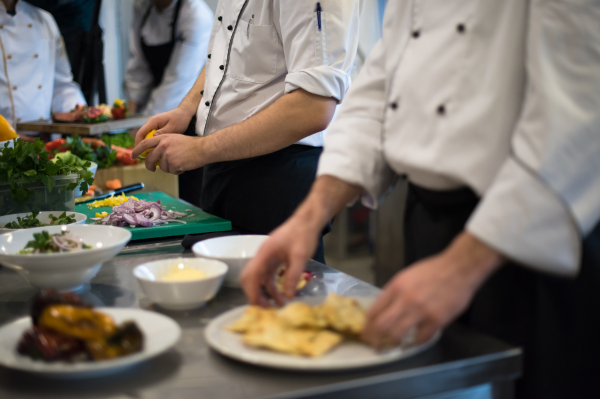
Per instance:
{"type": "Point", "coordinates": [66, 329]}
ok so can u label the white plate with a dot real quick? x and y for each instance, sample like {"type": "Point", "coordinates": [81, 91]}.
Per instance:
{"type": "Point", "coordinates": [43, 217]}
{"type": "Point", "coordinates": [348, 355]}
{"type": "Point", "coordinates": [160, 334]}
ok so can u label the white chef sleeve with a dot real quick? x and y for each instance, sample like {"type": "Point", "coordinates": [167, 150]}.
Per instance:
{"type": "Point", "coordinates": [66, 94]}
{"type": "Point", "coordinates": [352, 150]}
{"type": "Point", "coordinates": [318, 61]}
{"type": "Point", "coordinates": [187, 60]}
{"type": "Point", "coordinates": [138, 78]}
{"type": "Point", "coordinates": [547, 195]}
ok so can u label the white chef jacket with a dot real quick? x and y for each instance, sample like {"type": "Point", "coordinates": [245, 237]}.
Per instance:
{"type": "Point", "coordinates": [187, 59]}
{"type": "Point", "coordinates": [500, 96]}
{"type": "Point", "coordinates": [261, 50]}
{"type": "Point", "coordinates": [35, 78]}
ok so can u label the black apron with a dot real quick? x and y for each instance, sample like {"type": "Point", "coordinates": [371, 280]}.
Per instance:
{"type": "Point", "coordinates": [555, 320]}
{"type": "Point", "coordinates": [158, 57]}
{"type": "Point", "coordinates": [258, 194]}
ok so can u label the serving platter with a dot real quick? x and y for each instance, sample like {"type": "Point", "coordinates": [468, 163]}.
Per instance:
{"type": "Point", "coordinates": [348, 355]}
{"type": "Point", "coordinates": [160, 334]}
{"type": "Point", "coordinates": [69, 128]}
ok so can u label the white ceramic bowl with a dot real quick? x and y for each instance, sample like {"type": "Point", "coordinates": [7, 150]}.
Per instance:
{"type": "Point", "coordinates": [43, 217]}
{"type": "Point", "coordinates": [180, 295]}
{"type": "Point", "coordinates": [62, 271]}
{"type": "Point", "coordinates": [235, 251]}
{"type": "Point", "coordinates": [93, 168]}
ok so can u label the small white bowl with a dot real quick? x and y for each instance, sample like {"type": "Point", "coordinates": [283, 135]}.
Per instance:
{"type": "Point", "coordinates": [62, 271]}
{"type": "Point", "coordinates": [43, 217]}
{"type": "Point", "coordinates": [235, 251]}
{"type": "Point", "coordinates": [180, 295]}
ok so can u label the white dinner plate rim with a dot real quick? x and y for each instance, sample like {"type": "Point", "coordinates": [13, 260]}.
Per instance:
{"type": "Point", "coordinates": [295, 363]}
{"type": "Point", "coordinates": [61, 368]}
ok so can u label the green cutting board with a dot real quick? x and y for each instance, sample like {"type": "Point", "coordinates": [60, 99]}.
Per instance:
{"type": "Point", "coordinates": [201, 222]}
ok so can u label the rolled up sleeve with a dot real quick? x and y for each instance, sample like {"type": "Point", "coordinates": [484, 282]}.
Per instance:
{"type": "Point", "coordinates": [319, 61]}
{"type": "Point", "coordinates": [352, 150]}
{"type": "Point", "coordinates": [547, 195]}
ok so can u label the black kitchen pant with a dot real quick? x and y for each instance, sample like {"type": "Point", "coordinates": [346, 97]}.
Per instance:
{"type": "Point", "coordinates": [555, 320]}
{"type": "Point", "coordinates": [258, 194]}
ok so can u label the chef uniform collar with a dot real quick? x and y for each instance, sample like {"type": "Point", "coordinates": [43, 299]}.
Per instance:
{"type": "Point", "coordinates": [17, 8]}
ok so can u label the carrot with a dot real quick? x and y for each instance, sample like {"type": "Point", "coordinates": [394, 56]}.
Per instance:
{"type": "Point", "coordinates": [93, 142]}
{"type": "Point", "coordinates": [123, 155]}
{"type": "Point", "coordinates": [114, 184]}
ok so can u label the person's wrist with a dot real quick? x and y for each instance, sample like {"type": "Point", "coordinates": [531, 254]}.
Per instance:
{"type": "Point", "coordinates": [474, 259]}
{"type": "Point", "coordinates": [187, 109]}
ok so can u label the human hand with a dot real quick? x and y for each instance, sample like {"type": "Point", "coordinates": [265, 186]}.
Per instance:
{"type": "Point", "coordinates": [175, 121]}
{"type": "Point", "coordinates": [292, 244]}
{"type": "Point", "coordinates": [177, 153]}
{"type": "Point", "coordinates": [429, 294]}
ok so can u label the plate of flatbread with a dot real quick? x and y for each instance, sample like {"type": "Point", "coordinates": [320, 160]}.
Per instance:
{"type": "Point", "coordinates": [309, 333]}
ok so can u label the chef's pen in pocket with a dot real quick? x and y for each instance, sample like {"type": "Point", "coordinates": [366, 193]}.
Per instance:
{"type": "Point", "coordinates": [319, 15]}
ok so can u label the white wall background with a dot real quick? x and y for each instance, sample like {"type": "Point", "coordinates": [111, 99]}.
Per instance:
{"type": "Point", "coordinates": [116, 17]}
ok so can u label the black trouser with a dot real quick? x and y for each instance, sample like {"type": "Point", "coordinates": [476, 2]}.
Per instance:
{"type": "Point", "coordinates": [258, 194]}
{"type": "Point", "coordinates": [556, 320]}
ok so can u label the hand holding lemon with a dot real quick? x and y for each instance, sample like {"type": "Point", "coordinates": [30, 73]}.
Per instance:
{"type": "Point", "coordinates": [145, 153]}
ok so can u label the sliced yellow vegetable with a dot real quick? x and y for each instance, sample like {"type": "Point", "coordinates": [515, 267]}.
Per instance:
{"type": "Point", "coordinates": [111, 201]}
{"type": "Point", "coordinates": [7, 132]}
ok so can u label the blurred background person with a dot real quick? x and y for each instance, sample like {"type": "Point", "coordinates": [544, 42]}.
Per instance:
{"type": "Point", "coordinates": [36, 78]}
{"type": "Point", "coordinates": [168, 42]}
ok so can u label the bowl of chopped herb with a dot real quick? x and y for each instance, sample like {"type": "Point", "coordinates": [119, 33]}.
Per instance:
{"type": "Point", "coordinates": [61, 257]}
{"type": "Point", "coordinates": [13, 222]}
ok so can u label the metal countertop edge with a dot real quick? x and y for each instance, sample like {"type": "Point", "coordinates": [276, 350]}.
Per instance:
{"type": "Point", "coordinates": [394, 376]}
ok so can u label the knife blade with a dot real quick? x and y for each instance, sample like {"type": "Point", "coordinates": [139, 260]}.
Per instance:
{"type": "Point", "coordinates": [125, 189]}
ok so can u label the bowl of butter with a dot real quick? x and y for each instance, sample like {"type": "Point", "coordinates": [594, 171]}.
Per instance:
{"type": "Point", "coordinates": [181, 283]}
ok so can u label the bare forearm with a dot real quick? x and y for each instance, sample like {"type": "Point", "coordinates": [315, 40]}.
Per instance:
{"type": "Point", "coordinates": [327, 197]}
{"type": "Point", "coordinates": [191, 100]}
{"type": "Point", "coordinates": [291, 118]}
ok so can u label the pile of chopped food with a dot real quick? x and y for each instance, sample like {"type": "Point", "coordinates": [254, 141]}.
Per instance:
{"type": "Point", "coordinates": [66, 329]}
{"type": "Point", "coordinates": [31, 221]}
{"type": "Point", "coordinates": [140, 213]}
{"type": "Point", "coordinates": [63, 242]}
{"type": "Point", "coordinates": [300, 329]}
{"type": "Point", "coordinates": [94, 115]}
{"type": "Point", "coordinates": [111, 201]}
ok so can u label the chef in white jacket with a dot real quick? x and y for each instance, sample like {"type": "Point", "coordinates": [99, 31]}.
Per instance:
{"type": "Point", "coordinates": [35, 78]}
{"type": "Point", "coordinates": [168, 41]}
{"type": "Point", "coordinates": [275, 73]}
{"type": "Point", "coordinates": [491, 109]}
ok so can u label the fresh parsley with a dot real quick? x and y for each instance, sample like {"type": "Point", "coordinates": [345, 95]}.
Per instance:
{"type": "Point", "coordinates": [28, 221]}
{"type": "Point", "coordinates": [28, 162]}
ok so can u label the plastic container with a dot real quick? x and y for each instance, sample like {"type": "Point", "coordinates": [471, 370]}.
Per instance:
{"type": "Point", "coordinates": [60, 199]}
{"type": "Point", "coordinates": [93, 168]}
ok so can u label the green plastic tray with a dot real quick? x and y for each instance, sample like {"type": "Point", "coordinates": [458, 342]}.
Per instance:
{"type": "Point", "coordinates": [201, 222]}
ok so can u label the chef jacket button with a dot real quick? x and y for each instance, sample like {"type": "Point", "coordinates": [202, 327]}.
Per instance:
{"type": "Point", "coordinates": [441, 110]}
{"type": "Point", "coordinates": [29, 26]}
{"type": "Point", "coordinates": [1, 26]}
{"type": "Point", "coordinates": [207, 103]}
{"type": "Point", "coordinates": [208, 56]}
{"type": "Point", "coordinates": [40, 86]}
{"type": "Point", "coordinates": [18, 119]}
{"type": "Point", "coordinates": [221, 67]}
{"type": "Point", "coordinates": [14, 88]}
{"type": "Point", "coordinates": [35, 56]}
{"type": "Point", "coordinates": [220, 18]}
{"type": "Point", "coordinates": [9, 56]}
{"type": "Point", "coordinates": [202, 92]}
{"type": "Point", "coordinates": [41, 118]}
{"type": "Point", "coordinates": [416, 34]}
{"type": "Point", "coordinates": [460, 28]}
{"type": "Point", "coordinates": [394, 105]}
{"type": "Point", "coordinates": [230, 27]}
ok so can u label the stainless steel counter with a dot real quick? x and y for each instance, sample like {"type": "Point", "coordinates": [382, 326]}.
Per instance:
{"type": "Point", "coordinates": [461, 359]}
